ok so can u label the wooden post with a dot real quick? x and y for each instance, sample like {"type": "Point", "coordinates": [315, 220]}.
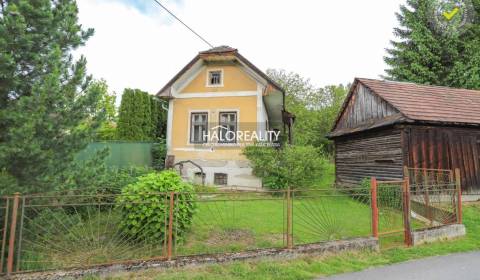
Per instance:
{"type": "Point", "coordinates": [458, 185]}
{"type": "Point", "coordinates": [373, 190]}
{"type": "Point", "coordinates": [406, 212]}
{"type": "Point", "coordinates": [289, 219]}
{"type": "Point", "coordinates": [13, 227]}
{"type": "Point", "coordinates": [170, 227]}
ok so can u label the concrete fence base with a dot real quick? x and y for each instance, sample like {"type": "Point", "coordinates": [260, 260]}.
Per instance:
{"type": "Point", "coordinates": [301, 250]}
{"type": "Point", "coordinates": [438, 233]}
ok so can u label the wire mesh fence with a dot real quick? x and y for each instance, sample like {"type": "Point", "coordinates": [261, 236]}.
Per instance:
{"type": "Point", "coordinates": [390, 203]}
{"type": "Point", "coordinates": [82, 229]}
{"type": "Point", "coordinates": [78, 230]}
{"type": "Point", "coordinates": [85, 228]}
{"type": "Point", "coordinates": [321, 215]}
{"type": "Point", "coordinates": [434, 197]}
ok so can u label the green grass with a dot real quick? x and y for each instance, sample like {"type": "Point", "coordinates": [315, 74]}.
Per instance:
{"type": "Point", "coordinates": [228, 222]}
{"type": "Point", "coordinates": [258, 221]}
{"type": "Point", "coordinates": [311, 267]}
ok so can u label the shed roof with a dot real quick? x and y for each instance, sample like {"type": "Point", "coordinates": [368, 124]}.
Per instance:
{"type": "Point", "coordinates": [429, 103]}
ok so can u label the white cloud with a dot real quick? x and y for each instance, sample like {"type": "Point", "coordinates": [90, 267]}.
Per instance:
{"type": "Point", "coordinates": [329, 42]}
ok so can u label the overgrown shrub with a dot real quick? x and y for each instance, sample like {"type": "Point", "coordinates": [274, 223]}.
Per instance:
{"type": "Point", "coordinates": [159, 152]}
{"type": "Point", "coordinates": [387, 195]}
{"type": "Point", "coordinates": [145, 206]}
{"type": "Point", "coordinates": [294, 166]}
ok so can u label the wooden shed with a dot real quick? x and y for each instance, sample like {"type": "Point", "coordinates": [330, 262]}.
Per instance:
{"type": "Point", "coordinates": [385, 125]}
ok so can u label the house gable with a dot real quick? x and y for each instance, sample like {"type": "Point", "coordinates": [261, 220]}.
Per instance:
{"type": "Point", "coordinates": [234, 79]}
{"type": "Point", "coordinates": [364, 108]}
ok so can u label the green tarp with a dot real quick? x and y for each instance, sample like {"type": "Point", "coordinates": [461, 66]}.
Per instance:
{"type": "Point", "coordinates": [122, 154]}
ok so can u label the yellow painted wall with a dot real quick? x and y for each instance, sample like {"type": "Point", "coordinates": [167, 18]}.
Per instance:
{"type": "Point", "coordinates": [247, 116]}
{"type": "Point", "coordinates": [234, 79]}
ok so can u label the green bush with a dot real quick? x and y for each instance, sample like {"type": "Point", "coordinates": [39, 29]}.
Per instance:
{"type": "Point", "coordinates": [159, 152]}
{"type": "Point", "coordinates": [294, 166]}
{"type": "Point", "coordinates": [145, 206]}
{"type": "Point", "coordinates": [388, 196]}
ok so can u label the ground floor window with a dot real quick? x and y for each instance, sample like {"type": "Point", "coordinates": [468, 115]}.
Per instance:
{"type": "Point", "coordinates": [228, 127]}
{"type": "Point", "coordinates": [198, 127]}
{"type": "Point", "coordinates": [220, 179]}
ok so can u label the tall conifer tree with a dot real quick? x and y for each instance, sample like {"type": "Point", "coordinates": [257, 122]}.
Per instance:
{"type": "Point", "coordinates": [47, 114]}
{"type": "Point", "coordinates": [422, 54]}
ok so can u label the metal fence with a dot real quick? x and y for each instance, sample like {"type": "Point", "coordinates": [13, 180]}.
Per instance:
{"type": "Point", "coordinates": [78, 229]}
{"type": "Point", "coordinates": [426, 198]}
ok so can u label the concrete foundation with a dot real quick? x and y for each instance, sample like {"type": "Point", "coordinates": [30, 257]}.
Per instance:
{"type": "Point", "coordinates": [438, 233]}
{"type": "Point", "coordinates": [239, 173]}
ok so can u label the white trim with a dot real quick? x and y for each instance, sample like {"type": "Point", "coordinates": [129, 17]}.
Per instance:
{"type": "Point", "coordinates": [215, 94]}
{"type": "Point", "coordinates": [181, 85]}
{"type": "Point", "coordinates": [190, 124]}
{"type": "Point", "coordinates": [207, 80]}
{"type": "Point", "coordinates": [169, 125]}
{"type": "Point", "coordinates": [226, 110]}
{"type": "Point", "coordinates": [207, 149]}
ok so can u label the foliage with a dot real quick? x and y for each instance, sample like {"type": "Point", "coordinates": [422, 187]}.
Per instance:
{"type": "Point", "coordinates": [423, 55]}
{"type": "Point", "coordinates": [7, 183]}
{"type": "Point", "coordinates": [388, 196]}
{"type": "Point", "coordinates": [159, 152]}
{"type": "Point", "coordinates": [145, 206]}
{"type": "Point", "coordinates": [47, 114]}
{"type": "Point", "coordinates": [159, 118]}
{"type": "Point", "coordinates": [107, 132]}
{"type": "Point", "coordinates": [315, 108]}
{"type": "Point", "coordinates": [141, 116]}
{"type": "Point", "coordinates": [313, 267]}
{"type": "Point", "coordinates": [292, 166]}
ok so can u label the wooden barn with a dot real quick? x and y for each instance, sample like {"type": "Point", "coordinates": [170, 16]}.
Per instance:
{"type": "Point", "coordinates": [385, 125]}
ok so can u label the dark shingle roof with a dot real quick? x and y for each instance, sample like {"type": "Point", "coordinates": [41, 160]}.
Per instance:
{"type": "Point", "coordinates": [219, 49]}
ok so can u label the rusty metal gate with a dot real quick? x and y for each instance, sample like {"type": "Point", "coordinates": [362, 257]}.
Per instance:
{"type": "Point", "coordinates": [425, 198]}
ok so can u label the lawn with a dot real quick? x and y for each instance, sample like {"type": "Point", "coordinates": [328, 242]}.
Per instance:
{"type": "Point", "coordinates": [311, 267]}
{"type": "Point", "coordinates": [223, 222]}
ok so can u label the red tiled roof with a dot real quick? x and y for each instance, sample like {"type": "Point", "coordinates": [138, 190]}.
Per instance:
{"type": "Point", "coordinates": [429, 103]}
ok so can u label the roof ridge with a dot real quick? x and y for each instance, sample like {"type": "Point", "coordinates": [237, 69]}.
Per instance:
{"type": "Point", "coordinates": [417, 84]}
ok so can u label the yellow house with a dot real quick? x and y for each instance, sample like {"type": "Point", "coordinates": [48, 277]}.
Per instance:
{"type": "Point", "coordinates": [219, 103]}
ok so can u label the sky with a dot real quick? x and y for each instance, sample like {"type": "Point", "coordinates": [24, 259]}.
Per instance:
{"type": "Point", "coordinates": [138, 45]}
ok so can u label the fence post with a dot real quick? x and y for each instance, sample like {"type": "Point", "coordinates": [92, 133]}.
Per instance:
{"type": "Point", "coordinates": [458, 185]}
{"type": "Point", "coordinates": [373, 190]}
{"type": "Point", "coordinates": [13, 226]}
{"type": "Point", "coordinates": [170, 227]}
{"type": "Point", "coordinates": [289, 219]}
{"type": "Point", "coordinates": [406, 211]}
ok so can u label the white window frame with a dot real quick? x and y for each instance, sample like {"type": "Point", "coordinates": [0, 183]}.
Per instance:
{"type": "Point", "coordinates": [191, 113]}
{"type": "Point", "coordinates": [236, 125]}
{"type": "Point", "coordinates": [207, 84]}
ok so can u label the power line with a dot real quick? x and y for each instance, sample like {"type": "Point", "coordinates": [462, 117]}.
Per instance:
{"type": "Point", "coordinates": [193, 31]}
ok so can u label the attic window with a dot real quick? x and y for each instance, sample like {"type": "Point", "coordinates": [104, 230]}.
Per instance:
{"type": "Point", "coordinates": [215, 78]}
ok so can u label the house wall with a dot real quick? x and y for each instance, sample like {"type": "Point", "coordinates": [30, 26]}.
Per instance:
{"type": "Point", "coordinates": [439, 147]}
{"type": "Point", "coordinates": [234, 80]}
{"type": "Point", "coordinates": [369, 154]}
{"type": "Point", "coordinates": [239, 93]}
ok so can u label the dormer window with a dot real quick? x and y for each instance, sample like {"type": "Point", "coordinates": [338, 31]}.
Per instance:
{"type": "Point", "coordinates": [215, 78]}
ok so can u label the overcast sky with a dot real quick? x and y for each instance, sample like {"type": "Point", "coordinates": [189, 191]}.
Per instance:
{"type": "Point", "coordinates": [137, 44]}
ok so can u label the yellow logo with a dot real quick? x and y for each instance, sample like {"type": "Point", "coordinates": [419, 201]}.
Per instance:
{"type": "Point", "coordinates": [451, 14]}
